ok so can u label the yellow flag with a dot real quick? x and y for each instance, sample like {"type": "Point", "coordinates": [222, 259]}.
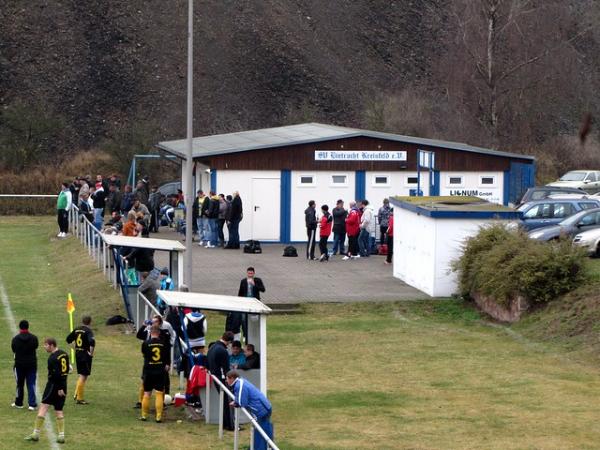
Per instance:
{"type": "Point", "coordinates": [70, 304]}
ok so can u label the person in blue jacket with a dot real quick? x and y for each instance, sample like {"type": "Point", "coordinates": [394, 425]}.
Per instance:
{"type": "Point", "coordinates": [250, 397]}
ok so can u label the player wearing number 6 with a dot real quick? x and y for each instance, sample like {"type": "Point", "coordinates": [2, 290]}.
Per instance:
{"type": "Point", "coordinates": [55, 392]}
{"type": "Point", "coordinates": [85, 343]}
{"type": "Point", "coordinates": [157, 358]}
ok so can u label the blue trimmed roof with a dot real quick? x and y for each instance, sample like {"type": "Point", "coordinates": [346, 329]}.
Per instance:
{"type": "Point", "coordinates": [306, 133]}
{"type": "Point", "coordinates": [455, 208]}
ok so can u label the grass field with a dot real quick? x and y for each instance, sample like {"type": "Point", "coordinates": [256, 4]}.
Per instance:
{"type": "Point", "coordinates": [413, 375]}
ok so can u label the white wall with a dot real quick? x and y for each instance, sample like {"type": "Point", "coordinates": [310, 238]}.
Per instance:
{"type": "Point", "coordinates": [398, 185]}
{"type": "Point", "coordinates": [202, 178]}
{"type": "Point", "coordinates": [414, 249]}
{"type": "Point", "coordinates": [424, 249]}
{"type": "Point", "coordinates": [471, 185]}
{"type": "Point", "coordinates": [450, 235]}
{"type": "Point", "coordinates": [322, 192]}
{"type": "Point", "coordinates": [229, 181]}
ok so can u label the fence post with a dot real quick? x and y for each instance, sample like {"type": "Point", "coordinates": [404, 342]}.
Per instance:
{"type": "Point", "coordinates": [207, 402]}
{"type": "Point", "coordinates": [137, 311]}
{"type": "Point", "coordinates": [104, 258]}
{"type": "Point", "coordinates": [236, 429]}
{"type": "Point", "coordinates": [89, 240]}
{"type": "Point", "coordinates": [221, 398]}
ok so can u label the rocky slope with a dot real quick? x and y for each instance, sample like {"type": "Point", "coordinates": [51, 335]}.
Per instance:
{"type": "Point", "coordinates": [102, 63]}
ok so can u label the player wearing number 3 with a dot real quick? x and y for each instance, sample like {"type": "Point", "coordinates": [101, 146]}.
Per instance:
{"type": "Point", "coordinates": [55, 392]}
{"type": "Point", "coordinates": [84, 341]}
{"type": "Point", "coordinates": [157, 358]}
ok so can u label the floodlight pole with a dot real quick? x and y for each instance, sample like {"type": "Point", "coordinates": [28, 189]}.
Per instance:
{"type": "Point", "coordinates": [189, 189]}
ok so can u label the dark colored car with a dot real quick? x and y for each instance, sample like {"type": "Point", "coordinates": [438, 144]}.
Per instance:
{"type": "Point", "coordinates": [543, 213]}
{"type": "Point", "coordinates": [542, 192]}
{"type": "Point", "coordinates": [577, 223]}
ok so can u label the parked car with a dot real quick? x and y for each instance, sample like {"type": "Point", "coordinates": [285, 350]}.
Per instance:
{"type": "Point", "coordinates": [585, 220]}
{"type": "Point", "coordinates": [543, 213]}
{"type": "Point", "coordinates": [587, 180]}
{"type": "Point", "coordinates": [542, 192]}
{"type": "Point", "coordinates": [170, 188]}
{"type": "Point", "coordinates": [589, 240]}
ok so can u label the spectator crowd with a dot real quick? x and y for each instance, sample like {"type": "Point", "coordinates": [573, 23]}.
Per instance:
{"type": "Point", "coordinates": [357, 225]}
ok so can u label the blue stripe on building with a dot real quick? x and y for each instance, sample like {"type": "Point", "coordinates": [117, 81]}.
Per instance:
{"type": "Point", "coordinates": [213, 180]}
{"type": "Point", "coordinates": [360, 188]}
{"type": "Point", "coordinates": [506, 196]}
{"type": "Point", "coordinates": [435, 185]}
{"type": "Point", "coordinates": [521, 177]}
{"type": "Point", "coordinates": [285, 210]}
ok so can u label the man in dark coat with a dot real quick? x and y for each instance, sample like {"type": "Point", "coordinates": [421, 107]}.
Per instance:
{"type": "Point", "coordinates": [218, 365]}
{"type": "Point", "coordinates": [235, 217]}
{"type": "Point", "coordinates": [339, 227]}
{"type": "Point", "coordinates": [113, 200]}
{"type": "Point", "coordinates": [24, 346]}
{"type": "Point", "coordinates": [251, 287]}
{"type": "Point", "coordinates": [310, 219]}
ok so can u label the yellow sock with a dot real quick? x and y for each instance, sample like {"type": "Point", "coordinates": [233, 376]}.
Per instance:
{"type": "Point", "coordinates": [141, 393]}
{"type": "Point", "coordinates": [77, 390]}
{"type": "Point", "coordinates": [60, 425]}
{"type": "Point", "coordinates": [159, 403]}
{"type": "Point", "coordinates": [81, 389]}
{"type": "Point", "coordinates": [38, 424]}
{"type": "Point", "coordinates": [145, 406]}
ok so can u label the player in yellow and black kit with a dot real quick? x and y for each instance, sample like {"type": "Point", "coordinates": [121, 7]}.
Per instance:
{"type": "Point", "coordinates": [85, 344]}
{"type": "Point", "coordinates": [157, 359]}
{"type": "Point", "coordinates": [55, 392]}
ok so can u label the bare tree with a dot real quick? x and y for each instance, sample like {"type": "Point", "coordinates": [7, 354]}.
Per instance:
{"type": "Point", "coordinates": [508, 47]}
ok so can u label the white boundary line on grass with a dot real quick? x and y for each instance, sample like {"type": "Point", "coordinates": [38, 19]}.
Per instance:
{"type": "Point", "coordinates": [10, 318]}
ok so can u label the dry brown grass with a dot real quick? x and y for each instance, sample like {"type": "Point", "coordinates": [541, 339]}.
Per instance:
{"type": "Point", "coordinates": [47, 180]}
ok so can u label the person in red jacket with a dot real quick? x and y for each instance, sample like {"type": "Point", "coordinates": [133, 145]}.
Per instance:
{"type": "Point", "coordinates": [390, 239]}
{"type": "Point", "coordinates": [352, 230]}
{"type": "Point", "coordinates": [325, 225]}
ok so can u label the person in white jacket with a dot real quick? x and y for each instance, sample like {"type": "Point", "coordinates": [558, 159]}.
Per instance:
{"type": "Point", "coordinates": [195, 325]}
{"type": "Point", "coordinates": [367, 225]}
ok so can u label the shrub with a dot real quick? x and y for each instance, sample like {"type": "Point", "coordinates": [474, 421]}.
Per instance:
{"type": "Point", "coordinates": [502, 264]}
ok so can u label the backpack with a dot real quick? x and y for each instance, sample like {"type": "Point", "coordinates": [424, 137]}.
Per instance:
{"type": "Point", "coordinates": [252, 247]}
{"type": "Point", "coordinates": [290, 251]}
{"type": "Point", "coordinates": [118, 319]}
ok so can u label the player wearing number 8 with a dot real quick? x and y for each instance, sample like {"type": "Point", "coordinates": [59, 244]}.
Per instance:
{"type": "Point", "coordinates": [157, 358]}
{"type": "Point", "coordinates": [85, 344]}
{"type": "Point", "coordinates": [55, 392]}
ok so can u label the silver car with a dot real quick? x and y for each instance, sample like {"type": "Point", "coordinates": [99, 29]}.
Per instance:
{"type": "Point", "coordinates": [587, 180]}
{"type": "Point", "coordinates": [589, 240]}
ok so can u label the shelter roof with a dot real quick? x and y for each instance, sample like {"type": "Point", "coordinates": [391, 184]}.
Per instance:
{"type": "Point", "coordinates": [455, 207]}
{"type": "Point", "coordinates": [306, 133]}
{"type": "Point", "coordinates": [214, 302]}
{"type": "Point", "coordinates": [156, 244]}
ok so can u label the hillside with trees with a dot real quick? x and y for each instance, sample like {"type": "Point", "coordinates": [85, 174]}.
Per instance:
{"type": "Point", "coordinates": [518, 75]}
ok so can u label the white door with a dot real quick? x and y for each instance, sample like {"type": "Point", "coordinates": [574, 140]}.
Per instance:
{"type": "Point", "coordinates": [266, 193]}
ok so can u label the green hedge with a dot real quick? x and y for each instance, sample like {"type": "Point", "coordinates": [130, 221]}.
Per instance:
{"type": "Point", "coordinates": [502, 263]}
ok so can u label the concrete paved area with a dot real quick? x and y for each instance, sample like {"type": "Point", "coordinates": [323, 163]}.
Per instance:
{"type": "Point", "coordinates": [294, 280]}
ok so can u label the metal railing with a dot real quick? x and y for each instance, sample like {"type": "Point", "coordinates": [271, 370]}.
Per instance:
{"type": "Point", "coordinates": [236, 426]}
{"type": "Point", "coordinates": [112, 264]}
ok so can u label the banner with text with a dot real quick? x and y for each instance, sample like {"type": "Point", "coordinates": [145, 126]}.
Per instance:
{"type": "Point", "coordinates": [359, 155]}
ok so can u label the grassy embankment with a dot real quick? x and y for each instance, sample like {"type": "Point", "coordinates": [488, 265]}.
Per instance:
{"type": "Point", "coordinates": [382, 376]}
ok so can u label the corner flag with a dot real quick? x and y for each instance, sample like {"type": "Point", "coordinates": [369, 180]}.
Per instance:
{"type": "Point", "coordinates": [70, 310]}
{"type": "Point", "coordinates": [70, 304]}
